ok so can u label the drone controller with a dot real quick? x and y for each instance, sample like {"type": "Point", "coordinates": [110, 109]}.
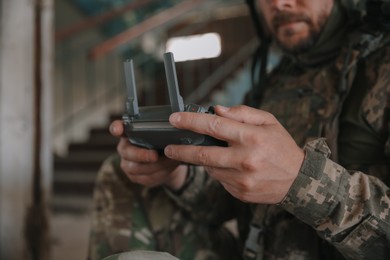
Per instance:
{"type": "Point", "coordinates": [149, 126]}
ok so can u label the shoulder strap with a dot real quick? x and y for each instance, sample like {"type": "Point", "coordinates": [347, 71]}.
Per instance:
{"type": "Point", "coordinates": [361, 45]}
{"type": "Point", "coordinates": [254, 244]}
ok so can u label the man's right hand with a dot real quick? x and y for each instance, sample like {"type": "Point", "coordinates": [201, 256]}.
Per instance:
{"type": "Point", "coordinates": [147, 167]}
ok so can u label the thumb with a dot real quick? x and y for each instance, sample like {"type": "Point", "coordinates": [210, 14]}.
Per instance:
{"type": "Point", "coordinates": [116, 128]}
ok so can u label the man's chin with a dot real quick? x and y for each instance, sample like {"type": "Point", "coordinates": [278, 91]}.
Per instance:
{"type": "Point", "coordinates": [291, 28]}
{"type": "Point", "coordinates": [295, 46]}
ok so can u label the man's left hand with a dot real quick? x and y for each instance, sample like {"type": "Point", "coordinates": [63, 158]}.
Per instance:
{"type": "Point", "coordinates": [261, 161]}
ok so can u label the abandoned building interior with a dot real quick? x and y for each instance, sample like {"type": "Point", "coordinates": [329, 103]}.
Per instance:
{"type": "Point", "coordinates": [62, 83]}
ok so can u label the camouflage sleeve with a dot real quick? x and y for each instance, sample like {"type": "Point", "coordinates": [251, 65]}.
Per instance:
{"type": "Point", "coordinates": [351, 210]}
{"type": "Point", "coordinates": [205, 198]}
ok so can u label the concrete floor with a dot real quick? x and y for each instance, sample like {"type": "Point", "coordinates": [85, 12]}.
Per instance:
{"type": "Point", "coordinates": [69, 235]}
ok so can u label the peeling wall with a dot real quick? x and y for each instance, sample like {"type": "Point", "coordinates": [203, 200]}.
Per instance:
{"type": "Point", "coordinates": [17, 124]}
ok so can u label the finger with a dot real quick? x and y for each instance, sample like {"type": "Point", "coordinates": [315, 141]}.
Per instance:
{"type": "Point", "coordinates": [222, 174]}
{"type": "Point", "coordinates": [247, 115]}
{"type": "Point", "coordinates": [216, 126]}
{"type": "Point", "coordinates": [132, 168]}
{"type": "Point", "coordinates": [149, 181]}
{"type": "Point", "coordinates": [234, 182]}
{"type": "Point", "coordinates": [116, 128]}
{"type": "Point", "coordinates": [230, 177]}
{"type": "Point", "coordinates": [145, 177]}
{"type": "Point", "coordinates": [237, 193]}
{"type": "Point", "coordinates": [230, 180]}
{"type": "Point", "coordinates": [134, 153]}
{"type": "Point", "coordinates": [211, 156]}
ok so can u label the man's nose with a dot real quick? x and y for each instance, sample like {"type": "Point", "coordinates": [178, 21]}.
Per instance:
{"type": "Point", "coordinates": [283, 4]}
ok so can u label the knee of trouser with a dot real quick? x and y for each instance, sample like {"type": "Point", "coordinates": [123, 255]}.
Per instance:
{"type": "Point", "coordinates": [141, 254]}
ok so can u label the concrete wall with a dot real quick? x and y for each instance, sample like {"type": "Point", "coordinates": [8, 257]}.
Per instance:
{"type": "Point", "coordinates": [86, 91]}
{"type": "Point", "coordinates": [17, 123]}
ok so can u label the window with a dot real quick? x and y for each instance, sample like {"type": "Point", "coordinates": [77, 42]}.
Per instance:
{"type": "Point", "coordinates": [195, 47]}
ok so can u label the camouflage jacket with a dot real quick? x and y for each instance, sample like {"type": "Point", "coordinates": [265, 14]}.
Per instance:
{"type": "Point", "coordinates": [333, 210]}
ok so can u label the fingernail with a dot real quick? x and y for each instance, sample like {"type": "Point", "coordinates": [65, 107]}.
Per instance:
{"type": "Point", "coordinates": [174, 118]}
{"type": "Point", "coordinates": [112, 129]}
{"type": "Point", "coordinates": [168, 151]}
{"type": "Point", "coordinates": [222, 108]}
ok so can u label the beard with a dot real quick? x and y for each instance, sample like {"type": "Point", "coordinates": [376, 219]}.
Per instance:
{"type": "Point", "coordinates": [303, 44]}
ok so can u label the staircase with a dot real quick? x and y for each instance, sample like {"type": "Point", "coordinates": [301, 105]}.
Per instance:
{"type": "Point", "coordinates": [74, 175]}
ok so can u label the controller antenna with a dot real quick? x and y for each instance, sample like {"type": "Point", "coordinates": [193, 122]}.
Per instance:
{"type": "Point", "coordinates": [176, 100]}
{"type": "Point", "coordinates": [132, 101]}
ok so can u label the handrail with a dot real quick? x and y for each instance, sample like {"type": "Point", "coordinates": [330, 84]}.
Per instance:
{"type": "Point", "coordinates": [222, 72]}
{"type": "Point", "coordinates": [97, 20]}
{"type": "Point", "coordinates": [153, 22]}
{"type": "Point", "coordinates": [88, 108]}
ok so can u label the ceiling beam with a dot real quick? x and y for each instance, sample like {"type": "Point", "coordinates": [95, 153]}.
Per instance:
{"type": "Point", "coordinates": [151, 23]}
{"type": "Point", "coordinates": [97, 20]}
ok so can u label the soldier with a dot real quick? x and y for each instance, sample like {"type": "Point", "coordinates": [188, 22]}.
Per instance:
{"type": "Point", "coordinates": [305, 177]}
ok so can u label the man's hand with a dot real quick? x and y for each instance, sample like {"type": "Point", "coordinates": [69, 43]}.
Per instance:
{"type": "Point", "coordinates": [261, 161]}
{"type": "Point", "coordinates": [145, 166]}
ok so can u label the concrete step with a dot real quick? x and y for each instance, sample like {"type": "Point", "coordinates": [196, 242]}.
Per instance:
{"type": "Point", "coordinates": [71, 204]}
{"type": "Point", "coordinates": [88, 146]}
{"type": "Point", "coordinates": [75, 157]}
{"type": "Point", "coordinates": [77, 188]}
{"type": "Point", "coordinates": [80, 189]}
{"type": "Point", "coordinates": [74, 175]}
{"type": "Point", "coordinates": [102, 139]}
{"type": "Point", "coordinates": [81, 165]}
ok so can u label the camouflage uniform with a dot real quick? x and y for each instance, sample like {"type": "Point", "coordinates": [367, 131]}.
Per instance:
{"type": "Point", "coordinates": [128, 216]}
{"type": "Point", "coordinates": [329, 212]}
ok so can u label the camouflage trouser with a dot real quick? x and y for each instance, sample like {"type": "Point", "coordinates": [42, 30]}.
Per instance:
{"type": "Point", "coordinates": [127, 217]}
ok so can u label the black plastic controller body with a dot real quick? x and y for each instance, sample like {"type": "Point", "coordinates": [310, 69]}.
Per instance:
{"type": "Point", "coordinates": [149, 126]}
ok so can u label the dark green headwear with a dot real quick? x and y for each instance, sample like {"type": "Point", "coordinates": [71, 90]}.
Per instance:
{"type": "Point", "coordinates": [375, 13]}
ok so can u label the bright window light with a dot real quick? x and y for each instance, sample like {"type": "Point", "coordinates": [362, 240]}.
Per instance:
{"type": "Point", "coordinates": [195, 47]}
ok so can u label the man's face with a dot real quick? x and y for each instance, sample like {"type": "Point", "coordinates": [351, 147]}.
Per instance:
{"type": "Point", "coordinates": [295, 24]}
